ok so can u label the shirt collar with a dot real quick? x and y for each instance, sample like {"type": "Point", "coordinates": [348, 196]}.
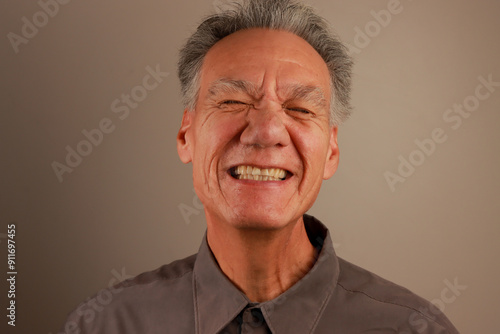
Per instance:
{"type": "Point", "coordinates": [217, 301]}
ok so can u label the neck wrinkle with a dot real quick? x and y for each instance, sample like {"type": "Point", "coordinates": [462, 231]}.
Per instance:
{"type": "Point", "coordinates": [261, 263]}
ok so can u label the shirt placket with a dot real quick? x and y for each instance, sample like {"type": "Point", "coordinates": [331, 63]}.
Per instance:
{"type": "Point", "coordinates": [253, 322]}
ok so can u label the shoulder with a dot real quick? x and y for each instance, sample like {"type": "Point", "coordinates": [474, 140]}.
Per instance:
{"type": "Point", "coordinates": [382, 301]}
{"type": "Point", "coordinates": [355, 279]}
{"type": "Point", "coordinates": [166, 274]}
{"type": "Point", "coordinates": [173, 280]}
{"type": "Point", "coordinates": [149, 299]}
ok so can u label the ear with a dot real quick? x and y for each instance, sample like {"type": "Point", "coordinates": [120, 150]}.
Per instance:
{"type": "Point", "coordinates": [332, 157]}
{"type": "Point", "coordinates": [184, 148]}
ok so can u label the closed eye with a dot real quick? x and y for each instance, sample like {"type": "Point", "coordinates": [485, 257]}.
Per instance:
{"type": "Point", "coordinates": [301, 110]}
{"type": "Point", "coordinates": [232, 102]}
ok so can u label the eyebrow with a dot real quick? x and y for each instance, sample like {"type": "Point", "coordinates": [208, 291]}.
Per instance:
{"type": "Point", "coordinates": [225, 85]}
{"type": "Point", "coordinates": [308, 93]}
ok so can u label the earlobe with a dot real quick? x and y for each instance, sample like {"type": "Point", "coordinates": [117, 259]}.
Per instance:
{"type": "Point", "coordinates": [332, 158]}
{"type": "Point", "coordinates": [183, 142]}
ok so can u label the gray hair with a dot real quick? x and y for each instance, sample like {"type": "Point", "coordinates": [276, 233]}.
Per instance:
{"type": "Point", "coordinates": [288, 15]}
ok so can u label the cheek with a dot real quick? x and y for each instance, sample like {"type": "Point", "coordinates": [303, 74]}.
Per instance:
{"type": "Point", "coordinates": [213, 138]}
{"type": "Point", "coordinates": [311, 146]}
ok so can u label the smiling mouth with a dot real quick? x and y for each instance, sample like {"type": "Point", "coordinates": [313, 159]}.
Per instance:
{"type": "Point", "coordinates": [258, 174]}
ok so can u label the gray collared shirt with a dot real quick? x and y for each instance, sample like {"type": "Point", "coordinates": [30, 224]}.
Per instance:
{"type": "Point", "coordinates": [193, 295]}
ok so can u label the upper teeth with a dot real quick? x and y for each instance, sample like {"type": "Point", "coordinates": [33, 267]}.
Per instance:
{"type": "Point", "coordinates": [259, 174]}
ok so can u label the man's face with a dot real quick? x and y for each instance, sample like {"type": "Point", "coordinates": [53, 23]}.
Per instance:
{"type": "Point", "coordinates": [259, 137]}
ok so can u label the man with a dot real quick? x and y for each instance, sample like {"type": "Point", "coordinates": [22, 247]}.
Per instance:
{"type": "Point", "coordinates": [265, 87]}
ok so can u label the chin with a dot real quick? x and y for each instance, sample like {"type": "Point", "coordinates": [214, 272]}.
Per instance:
{"type": "Point", "coordinates": [261, 222]}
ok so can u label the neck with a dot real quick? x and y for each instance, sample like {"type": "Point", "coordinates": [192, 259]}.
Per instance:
{"type": "Point", "coordinates": [262, 263]}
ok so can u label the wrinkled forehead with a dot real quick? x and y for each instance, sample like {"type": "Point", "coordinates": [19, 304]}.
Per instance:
{"type": "Point", "coordinates": [246, 58]}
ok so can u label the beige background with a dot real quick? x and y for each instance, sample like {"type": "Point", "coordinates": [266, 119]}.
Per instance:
{"type": "Point", "coordinates": [119, 209]}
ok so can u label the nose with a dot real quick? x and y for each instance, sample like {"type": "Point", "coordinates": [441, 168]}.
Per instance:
{"type": "Point", "coordinates": [265, 127]}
